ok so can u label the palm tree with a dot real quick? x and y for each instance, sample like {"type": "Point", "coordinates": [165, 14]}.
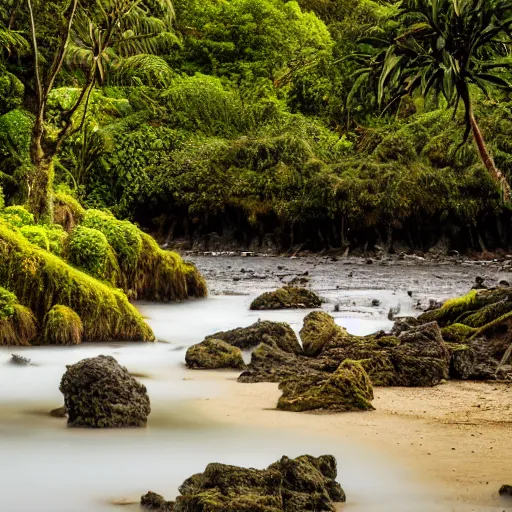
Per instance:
{"type": "Point", "coordinates": [443, 47]}
{"type": "Point", "coordinates": [95, 31]}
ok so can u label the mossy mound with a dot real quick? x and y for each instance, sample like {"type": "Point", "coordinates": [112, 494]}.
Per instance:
{"type": "Point", "coordinates": [318, 329]}
{"type": "Point", "coordinates": [89, 249]}
{"type": "Point", "coordinates": [279, 334]}
{"type": "Point", "coordinates": [40, 280]}
{"type": "Point", "coordinates": [457, 333]}
{"type": "Point", "coordinates": [62, 326]}
{"type": "Point", "coordinates": [303, 484]}
{"type": "Point", "coordinates": [17, 216]}
{"type": "Point", "coordinates": [347, 389]}
{"type": "Point", "coordinates": [18, 326]}
{"type": "Point", "coordinates": [287, 297]}
{"type": "Point", "coordinates": [212, 354]}
{"type": "Point", "coordinates": [100, 393]}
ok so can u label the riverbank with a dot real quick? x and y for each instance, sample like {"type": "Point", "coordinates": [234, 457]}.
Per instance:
{"type": "Point", "coordinates": [454, 438]}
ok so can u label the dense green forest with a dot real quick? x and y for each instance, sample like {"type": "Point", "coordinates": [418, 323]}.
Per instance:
{"type": "Point", "coordinates": [309, 123]}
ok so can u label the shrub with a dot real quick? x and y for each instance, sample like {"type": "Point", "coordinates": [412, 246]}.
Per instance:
{"type": "Point", "coordinates": [89, 249]}
{"type": "Point", "coordinates": [41, 280]}
{"type": "Point", "coordinates": [62, 326]}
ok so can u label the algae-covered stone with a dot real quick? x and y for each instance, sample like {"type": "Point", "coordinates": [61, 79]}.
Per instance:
{"type": "Point", "coordinates": [212, 354]}
{"type": "Point", "coordinates": [457, 333]}
{"type": "Point", "coordinates": [347, 389]}
{"type": "Point", "coordinates": [319, 328]}
{"type": "Point", "coordinates": [100, 393]}
{"type": "Point", "coordinates": [288, 297]}
{"type": "Point", "coordinates": [156, 503]}
{"type": "Point", "coordinates": [62, 326]}
{"type": "Point", "coordinates": [303, 484]}
{"type": "Point", "coordinates": [462, 360]}
{"type": "Point", "coordinates": [272, 333]}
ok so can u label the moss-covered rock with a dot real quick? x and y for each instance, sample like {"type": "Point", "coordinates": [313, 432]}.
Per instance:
{"type": "Point", "coordinates": [212, 354]}
{"type": "Point", "coordinates": [303, 484]}
{"type": "Point", "coordinates": [318, 329]}
{"type": "Point", "coordinates": [156, 503]}
{"type": "Point", "coordinates": [62, 326]}
{"type": "Point", "coordinates": [279, 334]}
{"type": "Point", "coordinates": [40, 280]}
{"type": "Point", "coordinates": [100, 393]}
{"type": "Point", "coordinates": [287, 297]}
{"type": "Point", "coordinates": [347, 389]}
{"type": "Point", "coordinates": [457, 333]}
{"type": "Point", "coordinates": [18, 325]}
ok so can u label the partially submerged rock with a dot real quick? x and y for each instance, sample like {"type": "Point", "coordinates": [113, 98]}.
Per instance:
{"type": "Point", "coordinates": [59, 412]}
{"type": "Point", "coordinates": [272, 333]}
{"type": "Point", "coordinates": [303, 484]}
{"type": "Point", "coordinates": [19, 360]}
{"type": "Point", "coordinates": [212, 354]}
{"type": "Point", "coordinates": [287, 297]}
{"type": "Point", "coordinates": [100, 393]}
{"type": "Point", "coordinates": [347, 389]}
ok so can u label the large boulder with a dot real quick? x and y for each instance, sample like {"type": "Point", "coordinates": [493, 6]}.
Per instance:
{"type": "Point", "coordinates": [156, 503]}
{"type": "Point", "coordinates": [212, 354]}
{"type": "Point", "coordinates": [271, 333]}
{"type": "Point", "coordinates": [100, 393]}
{"type": "Point", "coordinates": [318, 329]}
{"type": "Point", "coordinates": [303, 484]}
{"type": "Point", "coordinates": [287, 297]}
{"type": "Point", "coordinates": [347, 389]}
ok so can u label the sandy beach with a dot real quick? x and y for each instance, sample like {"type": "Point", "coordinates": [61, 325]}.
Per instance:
{"type": "Point", "coordinates": [455, 437]}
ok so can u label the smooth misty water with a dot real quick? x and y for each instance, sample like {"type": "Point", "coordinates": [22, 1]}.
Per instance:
{"type": "Point", "coordinates": [49, 468]}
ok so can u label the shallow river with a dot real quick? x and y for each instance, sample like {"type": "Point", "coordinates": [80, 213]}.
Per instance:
{"type": "Point", "coordinates": [46, 467]}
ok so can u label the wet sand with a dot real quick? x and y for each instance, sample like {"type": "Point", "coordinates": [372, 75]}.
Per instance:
{"type": "Point", "coordinates": [454, 438]}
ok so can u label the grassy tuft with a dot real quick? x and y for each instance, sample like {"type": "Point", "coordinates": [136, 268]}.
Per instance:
{"type": "Point", "coordinates": [18, 325]}
{"type": "Point", "coordinates": [62, 326]}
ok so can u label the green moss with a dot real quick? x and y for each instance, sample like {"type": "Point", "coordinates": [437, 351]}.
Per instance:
{"type": "Point", "coordinates": [41, 280]}
{"type": "Point", "coordinates": [7, 302]}
{"type": "Point", "coordinates": [62, 326]}
{"type": "Point", "coordinates": [36, 235]}
{"type": "Point", "coordinates": [287, 297]}
{"type": "Point", "coordinates": [57, 238]}
{"type": "Point", "coordinates": [457, 333]}
{"type": "Point", "coordinates": [68, 212]}
{"type": "Point", "coordinates": [2, 199]}
{"type": "Point", "coordinates": [123, 236]}
{"type": "Point", "coordinates": [347, 389]}
{"type": "Point", "coordinates": [18, 325]}
{"type": "Point", "coordinates": [89, 249]}
{"type": "Point", "coordinates": [17, 216]}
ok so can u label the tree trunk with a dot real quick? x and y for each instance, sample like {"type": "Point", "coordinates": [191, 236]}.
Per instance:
{"type": "Point", "coordinates": [40, 176]}
{"type": "Point", "coordinates": [495, 173]}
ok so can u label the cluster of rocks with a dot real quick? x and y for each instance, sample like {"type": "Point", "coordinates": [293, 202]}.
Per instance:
{"type": "Point", "coordinates": [302, 484]}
